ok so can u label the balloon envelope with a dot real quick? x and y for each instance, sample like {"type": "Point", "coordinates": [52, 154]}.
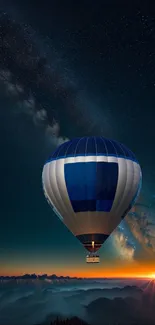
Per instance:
{"type": "Point", "coordinates": [91, 184]}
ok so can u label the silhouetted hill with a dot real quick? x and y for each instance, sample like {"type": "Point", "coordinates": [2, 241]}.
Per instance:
{"type": "Point", "coordinates": [68, 321]}
{"type": "Point", "coordinates": [71, 321]}
{"type": "Point", "coordinates": [116, 310]}
{"type": "Point", "coordinates": [77, 321]}
{"type": "Point", "coordinates": [86, 296]}
{"type": "Point", "coordinates": [123, 311]}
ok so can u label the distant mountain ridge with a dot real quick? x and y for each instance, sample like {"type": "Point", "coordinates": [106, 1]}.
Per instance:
{"type": "Point", "coordinates": [40, 277]}
{"type": "Point", "coordinates": [68, 321]}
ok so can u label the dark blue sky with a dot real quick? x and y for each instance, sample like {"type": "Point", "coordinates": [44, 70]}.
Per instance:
{"type": "Point", "coordinates": [79, 69]}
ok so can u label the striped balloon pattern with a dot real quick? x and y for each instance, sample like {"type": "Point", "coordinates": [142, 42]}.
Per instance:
{"type": "Point", "coordinates": [91, 184]}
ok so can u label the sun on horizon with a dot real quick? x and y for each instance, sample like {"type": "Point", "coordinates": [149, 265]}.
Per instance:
{"type": "Point", "coordinates": [151, 276]}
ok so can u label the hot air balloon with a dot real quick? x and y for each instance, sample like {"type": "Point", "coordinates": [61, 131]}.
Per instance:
{"type": "Point", "coordinates": [91, 184]}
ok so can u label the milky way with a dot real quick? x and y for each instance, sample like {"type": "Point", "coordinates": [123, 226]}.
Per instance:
{"type": "Point", "coordinates": [37, 78]}
{"type": "Point", "coordinates": [27, 71]}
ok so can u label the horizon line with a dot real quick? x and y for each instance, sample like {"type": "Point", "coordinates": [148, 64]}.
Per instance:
{"type": "Point", "coordinates": [146, 276]}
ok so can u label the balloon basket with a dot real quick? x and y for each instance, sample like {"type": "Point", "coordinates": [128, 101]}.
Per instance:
{"type": "Point", "coordinates": [92, 258]}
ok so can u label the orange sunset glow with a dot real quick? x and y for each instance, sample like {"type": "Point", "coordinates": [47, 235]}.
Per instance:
{"type": "Point", "coordinates": [112, 270]}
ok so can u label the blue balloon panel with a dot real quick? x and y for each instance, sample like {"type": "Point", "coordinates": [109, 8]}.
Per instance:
{"type": "Point", "coordinates": [92, 146]}
{"type": "Point", "coordinates": [91, 186]}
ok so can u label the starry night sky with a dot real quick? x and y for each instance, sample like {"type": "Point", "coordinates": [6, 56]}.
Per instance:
{"type": "Point", "coordinates": [71, 69]}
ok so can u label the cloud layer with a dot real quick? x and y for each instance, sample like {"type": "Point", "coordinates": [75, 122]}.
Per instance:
{"type": "Point", "coordinates": [32, 302]}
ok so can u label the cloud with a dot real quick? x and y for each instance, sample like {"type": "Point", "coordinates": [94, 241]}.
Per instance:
{"type": "Point", "coordinates": [33, 301]}
{"type": "Point", "coordinates": [36, 301]}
